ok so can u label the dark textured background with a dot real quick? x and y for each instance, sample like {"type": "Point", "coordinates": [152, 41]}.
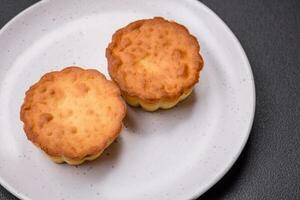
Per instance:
{"type": "Point", "coordinates": [269, 31]}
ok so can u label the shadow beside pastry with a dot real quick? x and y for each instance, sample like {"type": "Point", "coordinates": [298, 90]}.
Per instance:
{"type": "Point", "coordinates": [109, 155]}
{"type": "Point", "coordinates": [140, 121]}
{"type": "Point", "coordinates": [96, 170]}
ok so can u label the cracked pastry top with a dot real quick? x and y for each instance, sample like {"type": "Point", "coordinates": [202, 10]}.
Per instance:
{"type": "Point", "coordinates": [155, 62]}
{"type": "Point", "coordinates": [73, 114]}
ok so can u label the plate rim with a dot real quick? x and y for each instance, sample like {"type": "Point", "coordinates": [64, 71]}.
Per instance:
{"type": "Point", "coordinates": [252, 84]}
{"type": "Point", "coordinates": [247, 66]}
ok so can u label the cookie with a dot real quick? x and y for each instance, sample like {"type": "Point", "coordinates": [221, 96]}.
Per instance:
{"type": "Point", "coordinates": [155, 62]}
{"type": "Point", "coordinates": [73, 114]}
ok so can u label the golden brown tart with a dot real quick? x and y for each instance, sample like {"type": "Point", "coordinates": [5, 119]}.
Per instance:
{"type": "Point", "coordinates": [155, 62]}
{"type": "Point", "coordinates": [73, 114]}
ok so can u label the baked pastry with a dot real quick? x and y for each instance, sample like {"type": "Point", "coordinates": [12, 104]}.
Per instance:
{"type": "Point", "coordinates": [73, 114]}
{"type": "Point", "coordinates": [155, 62]}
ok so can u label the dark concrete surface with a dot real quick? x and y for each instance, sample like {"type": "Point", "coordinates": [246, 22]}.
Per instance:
{"type": "Point", "coordinates": [269, 31]}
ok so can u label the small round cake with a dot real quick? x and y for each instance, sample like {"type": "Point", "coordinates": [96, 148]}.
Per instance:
{"type": "Point", "coordinates": [155, 62]}
{"type": "Point", "coordinates": [73, 114]}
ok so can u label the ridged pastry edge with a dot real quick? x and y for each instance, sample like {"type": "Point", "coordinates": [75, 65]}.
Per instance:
{"type": "Point", "coordinates": [71, 161]}
{"type": "Point", "coordinates": [153, 106]}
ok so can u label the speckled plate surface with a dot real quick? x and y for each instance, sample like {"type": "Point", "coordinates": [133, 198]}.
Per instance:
{"type": "Point", "coordinates": [172, 154]}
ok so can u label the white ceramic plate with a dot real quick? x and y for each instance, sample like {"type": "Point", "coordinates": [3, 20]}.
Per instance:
{"type": "Point", "coordinates": [173, 154]}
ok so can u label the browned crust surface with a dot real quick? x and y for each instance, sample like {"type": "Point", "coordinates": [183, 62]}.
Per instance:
{"type": "Point", "coordinates": [73, 113]}
{"type": "Point", "coordinates": [154, 59]}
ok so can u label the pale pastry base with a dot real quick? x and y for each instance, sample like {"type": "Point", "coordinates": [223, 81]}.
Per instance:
{"type": "Point", "coordinates": [63, 159]}
{"type": "Point", "coordinates": [70, 161]}
{"type": "Point", "coordinates": [164, 104]}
